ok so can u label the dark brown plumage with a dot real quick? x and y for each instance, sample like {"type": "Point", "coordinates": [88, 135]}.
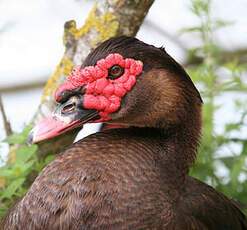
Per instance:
{"type": "Point", "coordinates": [135, 177]}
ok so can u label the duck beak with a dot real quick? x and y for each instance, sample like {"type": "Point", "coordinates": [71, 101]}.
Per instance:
{"type": "Point", "coordinates": [67, 116]}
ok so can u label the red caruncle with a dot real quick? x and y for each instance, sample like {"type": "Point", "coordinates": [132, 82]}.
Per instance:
{"type": "Point", "coordinates": [103, 93]}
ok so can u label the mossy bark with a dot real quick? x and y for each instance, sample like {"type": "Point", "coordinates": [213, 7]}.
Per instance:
{"type": "Point", "coordinates": [107, 18]}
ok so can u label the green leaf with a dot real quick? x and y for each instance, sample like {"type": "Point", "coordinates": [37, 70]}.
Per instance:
{"type": "Point", "coordinates": [24, 153]}
{"type": "Point", "coordinates": [232, 127]}
{"type": "Point", "coordinates": [15, 139]}
{"type": "Point", "coordinates": [49, 158]}
{"type": "Point", "coordinates": [6, 172]}
{"type": "Point", "coordinates": [190, 29]}
{"type": "Point", "coordinates": [12, 188]}
{"type": "Point", "coordinates": [19, 138]}
{"type": "Point", "coordinates": [222, 23]}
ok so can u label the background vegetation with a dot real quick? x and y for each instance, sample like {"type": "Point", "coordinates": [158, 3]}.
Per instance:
{"type": "Point", "coordinates": [216, 76]}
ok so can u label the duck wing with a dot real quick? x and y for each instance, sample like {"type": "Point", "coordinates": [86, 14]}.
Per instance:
{"type": "Point", "coordinates": [202, 207]}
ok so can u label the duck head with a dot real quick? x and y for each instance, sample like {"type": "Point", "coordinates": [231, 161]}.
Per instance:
{"type": "Point", "coordinates": [127, 82]}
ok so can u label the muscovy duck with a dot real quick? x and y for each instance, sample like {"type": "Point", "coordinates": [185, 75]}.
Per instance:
{"type": "Point", "coordinates": [134, 177]}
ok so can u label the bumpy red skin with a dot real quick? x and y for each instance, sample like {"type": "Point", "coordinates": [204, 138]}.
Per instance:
{"type": "Point", "coordinates": [102, 93]}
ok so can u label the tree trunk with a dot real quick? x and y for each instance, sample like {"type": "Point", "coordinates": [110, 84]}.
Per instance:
{"type": "Point", "coordinates": [108, 18]}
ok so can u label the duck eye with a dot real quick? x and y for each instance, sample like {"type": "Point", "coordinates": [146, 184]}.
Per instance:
{"type": "Point", "coordinates": [115, 72]}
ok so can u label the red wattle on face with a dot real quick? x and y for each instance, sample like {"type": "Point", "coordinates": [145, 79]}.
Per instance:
{"type": "Point", "coordinates": [102, 91]}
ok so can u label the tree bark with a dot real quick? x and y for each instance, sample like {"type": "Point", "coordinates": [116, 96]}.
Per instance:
{"type": "Point", "coordinates": [108, 18]}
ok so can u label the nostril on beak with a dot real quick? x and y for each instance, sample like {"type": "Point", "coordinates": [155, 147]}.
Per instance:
{"type": "Point", "coordinates": [30, 138]}
{"type": "Point", "coordinates": [69, 108]}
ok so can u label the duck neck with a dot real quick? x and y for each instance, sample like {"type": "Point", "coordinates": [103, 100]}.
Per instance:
{"type": "Point", "coordinates": [181, 145]}
{"type": "Point", "coordinates": [179, 148]}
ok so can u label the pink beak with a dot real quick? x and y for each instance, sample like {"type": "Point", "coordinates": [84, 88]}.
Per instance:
{"type": "Point", "coordinates": [67, 116]}
{"type": "Point", "coordinates": [49, 128]}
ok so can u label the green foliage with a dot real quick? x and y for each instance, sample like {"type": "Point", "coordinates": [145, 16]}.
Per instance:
{"type": "Point", "coordinates": [14, 174]}
{"type": "Point", "coordinates": [216, 79]}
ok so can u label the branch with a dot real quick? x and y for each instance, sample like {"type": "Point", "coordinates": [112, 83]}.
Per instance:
{"type": "Point", "coordinates": [6, 123]}
{"type": "Point", "coordinates": [22, 87]}
{"type": "Point", "coordinates": [237, 140]}
{"type": "Point", "coordinates": [173, 38]}
{"type": "Point", "coordinates": [225, 56]}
